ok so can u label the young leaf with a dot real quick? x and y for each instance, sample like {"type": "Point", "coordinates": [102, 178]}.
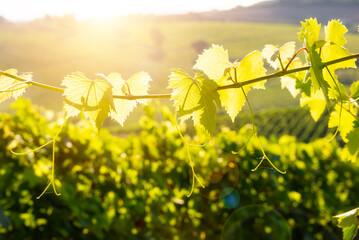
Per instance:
{"type": "Point", "coordinates": [351, 148]}
{"type": "Point", "coordinates": [10, 87]}
{"type": "Point", "coordinates": [290, 81]}
{"type": "Point", "coordinates": [92, 97]}
{"type": "Point", "coordinates": [213, 62]}
{"type": "Point", "coordinates": [348, 218]}
{"type": "Point", "coordinates": [316, 104]}
{"type": "Point", "coordinates": [309, 33]}
{"type": "Point", "coordinates": [354, 90]}
{"type": "Point", "coordinates": [285, 52]}
{"type": "Point", "coordinates": [347, 120]}
{"type": "Point", "coordinates": [250, 67]}
{"type": "Point", "coordinates": [316, 73]}
{"type": "Point", "coordinates": [138, 84]}
{"type": "Point", "coordinates": [334, 32]}
{"type": "Point", "coordinates": [196, 97]}
{"type": "Point", "coordinates": [349, 233]}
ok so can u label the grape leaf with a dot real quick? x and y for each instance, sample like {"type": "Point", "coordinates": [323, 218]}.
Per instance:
{"type": "Point", "coordinates": [352, 144]}
{"type": "Point", "coordinates": [348, 218]}
{"type": "Point", "coordinates": [346, 121]}
{"type": "Point", "coordinates": [270, 53]}
{"type": "Point", "coordinates": [334, 32]}
{"type": "Point", "coordinates": [338, 92]}
{"type": "Point", "coordinates": [349, 233]}
{"type": "Point", "coordinates": [304, 84]}
{"type": "Point", "coordinates": [354, 89]}
{"type": "Point", "coordinates": [92, 97]}
{"type": "Point", "coordinates": [316, 73]}
{"type": "Point", "coordinates": [213, 62]}
{"type": "Point", "coordinates": [316, 104]}
{"type": "Point", "coordinates": [250, 67]}
{"type": "Point", "coordinates": [309, 33]}
{"type": "Point", "coordinates": [196, 97]}
{"type": "Point", "coordinates": [138, 84]}
{"type": "Point", "coordinates": [290, 81]}
{"type": "Point", "coordinates": [333, 49]}
{"type": "Point", "coordinates": [11, 87]}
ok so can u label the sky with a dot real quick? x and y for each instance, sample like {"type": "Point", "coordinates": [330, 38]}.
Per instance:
{"type": "Point", "coordinates": [23, 10]}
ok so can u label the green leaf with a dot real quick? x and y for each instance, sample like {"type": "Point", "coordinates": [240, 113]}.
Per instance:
{"type": "Point", "coordinates": [92, 97]}
{"type": "Point", "coordinates": [347, 219]}
{"type": "Point", "coordinates": [213, 62]}
{"type": "Point", "coordinates": [352, 144]}
{"type": "Point", "coordinates": [196, 97]}
{"type": "Point", "coordinates": [346, 121]}
{"type": "Point", "coordinates": [290, 81]}
{"type": "Point", "coordinates": [350, 232]}
{"type": "Point", "coordinates": [316, 73]}
{"type": "Point", "coordinates": [333, 49]}
{"type": "Point", "coordinates": [332, 52]}
{"type": "Point", "coordinates": [11, 87]}
{"type": "Point", "coordinates": [138, 84]}
{"type": "Point", "coordinates": [309, 33]}
{"type": "Point", "coordinates": [316, 104]}
{"type": "Point", "coordinates": [354, 90]}
{"type": "Point", "coordinates": [270, 53]}
{"type": "Point", "coordinates": [334, 32]}
{"type": "Point", "coordinates": [304, 86]}
{"type": "Point", "coordinates": [250, 67]}
{"type": "Point", "coordinates": [338, 92]}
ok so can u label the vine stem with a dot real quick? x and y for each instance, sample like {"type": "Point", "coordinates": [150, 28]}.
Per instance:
{"type": "Point", "coordinates": [234, 85]}
{"type": "Point", "coordinates": [285, 72]}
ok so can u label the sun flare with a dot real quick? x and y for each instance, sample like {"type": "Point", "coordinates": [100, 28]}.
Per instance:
{"type": "Point", "coordinates": [84, 9]}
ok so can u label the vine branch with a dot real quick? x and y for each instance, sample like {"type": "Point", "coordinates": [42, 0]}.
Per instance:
{"type": "Point", "coordinates": [234, 85]}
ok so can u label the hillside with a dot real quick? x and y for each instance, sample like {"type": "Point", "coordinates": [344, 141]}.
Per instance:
{"type": "Point", "coordinates": [284, 11]}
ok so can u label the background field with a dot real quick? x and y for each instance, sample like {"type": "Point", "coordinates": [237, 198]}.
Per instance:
{"type": "Point", "coordinates": [54, 47]}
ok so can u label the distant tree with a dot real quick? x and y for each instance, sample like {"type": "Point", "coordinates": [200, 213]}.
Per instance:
{"type": "Point", "coordinates": [199, 46]}
{"type": "Point", "coordinates": [158, 38]}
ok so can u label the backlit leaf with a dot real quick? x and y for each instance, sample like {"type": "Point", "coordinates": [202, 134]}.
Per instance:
{"type": "Point", "coordinates": [350, 232]}
{"type": "Point", "coordinates": [352, 144]}
{"type": "Point", "coordinates": [250, 67]}
{"type": "Point", "coordinates": [270, 53]}
{"type": "Point", "coordinates": [11, 87]}
{"type": "Point", "coordinates": [138, 84]}
{"type": "Point", "coordinates": [334, 32]}
{"type": "Point", "coordinates": [309, 33]}
{"type": "Point", "coordinates": [347, 120]}
{"type": "Point", "coordinates": [316, 73]}
{"type": "Point", "coordinates": [354, 90]}
{"type": "Point", "coordinates": [213, 62]}
{"type": "Point", "coordinates": [316, 104]}
{"type": "Point", "coordinates": [92, 97]}
{"type": "Point", "coordinates": [289, 81]}
{"type": "Point", "coordinates": [348, 218]}
{"type": "Point", "coordinates": [196, 97]}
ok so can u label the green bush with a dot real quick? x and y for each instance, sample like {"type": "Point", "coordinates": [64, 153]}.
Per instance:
{"type": "Point", "coordinates": [136, 187]}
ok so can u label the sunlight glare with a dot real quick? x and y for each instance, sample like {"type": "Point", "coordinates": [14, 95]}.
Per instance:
{"type": "Point", "coordinates": [87, 9]}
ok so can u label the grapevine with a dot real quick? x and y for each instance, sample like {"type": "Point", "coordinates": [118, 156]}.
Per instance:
{"type": "Point", "coordinates": [218, 83]}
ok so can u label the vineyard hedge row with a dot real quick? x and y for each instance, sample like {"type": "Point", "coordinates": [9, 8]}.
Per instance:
{"type": "Point", "coordinates": [136, 187]}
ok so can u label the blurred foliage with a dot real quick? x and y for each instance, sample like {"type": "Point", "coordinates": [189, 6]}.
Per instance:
{"type": "Point", "coordinates": [136, 187]}
{"type": "Point", "coordinates": [278, 122]}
